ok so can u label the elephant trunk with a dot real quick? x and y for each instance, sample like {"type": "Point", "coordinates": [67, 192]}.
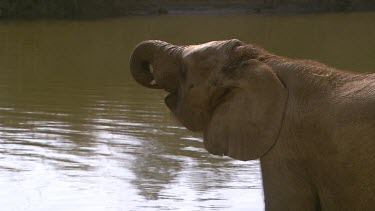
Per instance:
{"type": "Point", "coordinates": [155, 64]}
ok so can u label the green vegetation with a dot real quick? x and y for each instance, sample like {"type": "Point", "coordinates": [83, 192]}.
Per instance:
{"type": "Point", "coordinates": [110, 8]}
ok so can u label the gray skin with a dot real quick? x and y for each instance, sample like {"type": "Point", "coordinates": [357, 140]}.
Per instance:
{"type": "Point", "coordinates": [311, 126]}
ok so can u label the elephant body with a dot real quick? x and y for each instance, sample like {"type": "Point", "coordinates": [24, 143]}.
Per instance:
{"type": "Point", "coordinates": [324, 158]}
{"type": "Point", "coordinates": [311, 126]}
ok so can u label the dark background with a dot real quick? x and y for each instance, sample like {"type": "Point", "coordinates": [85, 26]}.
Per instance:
{"type": "Point", "coordinates": [36, 9]}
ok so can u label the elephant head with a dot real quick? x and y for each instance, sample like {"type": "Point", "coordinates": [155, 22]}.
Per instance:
{"type": "Point", "coordinates": [221, 88]}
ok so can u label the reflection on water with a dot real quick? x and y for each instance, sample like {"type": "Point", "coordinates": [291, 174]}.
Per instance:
{"type": "Point", "coordinates": [76, 133]}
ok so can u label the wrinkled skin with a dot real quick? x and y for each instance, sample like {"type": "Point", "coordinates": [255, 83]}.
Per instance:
{"type": "Point", "coordinates": [311, 126]}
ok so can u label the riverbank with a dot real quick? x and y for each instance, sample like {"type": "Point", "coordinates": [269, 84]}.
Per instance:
{"type": "Point", "coordinates": [86, 9]}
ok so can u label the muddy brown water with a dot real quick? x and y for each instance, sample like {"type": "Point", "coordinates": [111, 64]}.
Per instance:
{"type": "Point", "coordinates": [77, 133]}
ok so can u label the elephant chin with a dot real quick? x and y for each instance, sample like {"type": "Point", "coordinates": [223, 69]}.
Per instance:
{"type": "Point", "coordinates": [193, 121]}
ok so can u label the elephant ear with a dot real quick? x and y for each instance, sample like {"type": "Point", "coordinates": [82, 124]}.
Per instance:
{"type": "Point", "coordinates": [246, 122]}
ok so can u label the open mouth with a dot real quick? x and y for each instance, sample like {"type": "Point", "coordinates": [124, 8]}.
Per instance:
{"type": "Point", "coordinates": [171, 100]}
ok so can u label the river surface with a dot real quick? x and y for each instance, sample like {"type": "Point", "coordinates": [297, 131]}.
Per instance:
{"type": "Point", "coordinates": [77, 133]}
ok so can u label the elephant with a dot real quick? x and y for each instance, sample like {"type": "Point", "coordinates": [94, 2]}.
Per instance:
{"type": "Point", "coordinates": [311, 126]}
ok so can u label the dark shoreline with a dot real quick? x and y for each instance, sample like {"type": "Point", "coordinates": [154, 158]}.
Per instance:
{"type": "Point", "coordinates": [97, 9]}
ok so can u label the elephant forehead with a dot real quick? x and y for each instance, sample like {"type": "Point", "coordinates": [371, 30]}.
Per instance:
{"type": "Point", "coordinates": [206, 49]}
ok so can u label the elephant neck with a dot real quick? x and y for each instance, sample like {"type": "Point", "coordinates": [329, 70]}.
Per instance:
{"type": "Point", "coordinates": [312, 86]}
{"type": "Point", "coordinates": [291, 72]}
{"type": "Point", "coordinates": [323, 104]}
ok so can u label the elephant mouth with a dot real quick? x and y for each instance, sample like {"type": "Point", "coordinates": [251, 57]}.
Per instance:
{"type": "Point", "coordinates": [171, 101]}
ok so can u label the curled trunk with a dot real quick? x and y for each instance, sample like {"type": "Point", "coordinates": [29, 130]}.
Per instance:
{"type": "Point", "coordinates": [155, 64]}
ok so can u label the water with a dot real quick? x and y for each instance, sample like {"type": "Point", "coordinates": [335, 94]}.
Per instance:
{"type": "Point", "coordinates": [77, 133]}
